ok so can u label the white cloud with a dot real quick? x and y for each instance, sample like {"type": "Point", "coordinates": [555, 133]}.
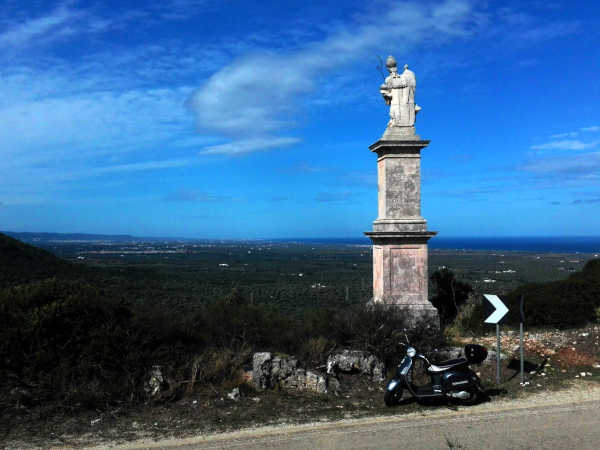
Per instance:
{"type": "Point", "coordinates": [581, 167]}
{"type": "Point", "coordinates": [564, 135]}
{"type": "Point", "coordinates": [567, 144]}
{"type": "Point", "coordinates": [146, 165]}
{"type": "Point", "coordinates": [243, 146]}
{"type": "Point", "coordinates": [592, 128]}
{"type": "Point", "coordinates": [261, 93]}
{"type": "Point", "coordinates": [93, 123]}
{"type": "Point", "coordinates": [39, 29]}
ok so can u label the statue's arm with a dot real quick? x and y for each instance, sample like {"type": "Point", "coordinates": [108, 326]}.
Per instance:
{"type": "Point", "coordinates": [386, 93]}
{"type": "Point", "coordinates": [387, 96]}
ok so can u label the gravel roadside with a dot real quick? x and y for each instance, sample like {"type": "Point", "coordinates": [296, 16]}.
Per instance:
{"type": "Point", "coordinates": [577, 393]}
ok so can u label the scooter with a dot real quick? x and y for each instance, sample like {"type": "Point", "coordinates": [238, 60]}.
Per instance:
{"type": "Point", "coordinates": [451, 379]}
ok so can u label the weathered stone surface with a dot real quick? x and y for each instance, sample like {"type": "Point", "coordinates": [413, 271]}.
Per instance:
{"type": "Point", "coordinates": [286, 373]}
{"type": "Point", "coordinates": [155, 382]}
{"type": "Point", "coordinates": [234, 395]}
{"type": "Point", "coordinates": [491, 357]}
{"type": "Point", "coordinates": [261, 370]}
{"type": "Point", "coordinates": [356, 361]}
{"type": "Point", "coordinates": [399, 233]}
{"type": "Point", "coordinates": [283, 367]}
{"type": "Point", "coordinates": [399, 184]}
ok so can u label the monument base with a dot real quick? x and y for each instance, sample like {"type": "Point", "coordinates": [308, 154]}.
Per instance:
{"type": "Point", "coordinates": [400, 273]}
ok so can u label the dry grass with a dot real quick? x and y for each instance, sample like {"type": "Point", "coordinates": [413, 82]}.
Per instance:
{"type": "Point", "coordinates": [571, 357]}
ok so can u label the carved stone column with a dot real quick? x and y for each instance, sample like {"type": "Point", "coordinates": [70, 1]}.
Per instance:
{"type": "Point", "coordinates": [399, 233]}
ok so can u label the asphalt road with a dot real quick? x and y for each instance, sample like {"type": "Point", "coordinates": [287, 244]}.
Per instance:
{"type": "Point", "coordinates": [566, 426]}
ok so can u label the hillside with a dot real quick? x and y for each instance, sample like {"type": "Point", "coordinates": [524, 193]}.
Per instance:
{"type": "Point", "coordinates": [565, 303]}
{"type": "Point", "coordinates": [23, 263]}
{"type": "Point", "coordinates": [44, 237]}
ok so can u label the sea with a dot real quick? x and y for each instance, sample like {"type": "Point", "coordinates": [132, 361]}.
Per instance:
{"type": "Point", "coordinates": [545, 244]}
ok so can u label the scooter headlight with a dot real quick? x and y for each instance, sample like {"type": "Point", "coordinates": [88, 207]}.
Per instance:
{"type": "Point", "coordinates": [411, 352]}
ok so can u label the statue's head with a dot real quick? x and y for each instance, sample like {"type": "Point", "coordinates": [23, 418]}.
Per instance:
{"type": "Point", "coordinates": [391, 64]}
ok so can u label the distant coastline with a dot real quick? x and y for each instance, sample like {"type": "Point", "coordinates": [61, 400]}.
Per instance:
{"type": "Point", "coordinates": [545, 244]}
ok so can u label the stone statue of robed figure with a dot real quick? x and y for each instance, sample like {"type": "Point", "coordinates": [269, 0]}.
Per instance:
{"type": "Point", "coordinates": [398, 91]}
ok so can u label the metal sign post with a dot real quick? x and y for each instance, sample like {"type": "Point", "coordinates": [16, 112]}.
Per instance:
{"type": "Point", "coordinates": [521, 340]}
{"type": "Point", "coordinates": [497, 354]}
{"type": "Point", "coordinates": [495, 317]}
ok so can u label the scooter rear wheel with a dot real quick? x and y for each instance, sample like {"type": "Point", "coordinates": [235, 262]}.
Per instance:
{"type": "Point", "coordinates": [392, 398]}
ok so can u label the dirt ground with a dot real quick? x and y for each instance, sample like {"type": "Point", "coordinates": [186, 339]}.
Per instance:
{"type": "Point", "coordinates": [555, 360]}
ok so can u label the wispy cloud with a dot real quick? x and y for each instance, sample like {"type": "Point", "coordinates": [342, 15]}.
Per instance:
{"type": "Point", "coordinates": [593, 128]}
{"type": "Point", "coordinates": [583, 167]}
{"type": "Point", "coordinates": [527, 29]}
{"type": "Point", "coordinates": [566, 144]}
{"type": "Point", "coordinates": [564, 135]}
{"type": "Point", "coordinates": [587, 201]}
{"type": "Point", "coordinates": [40, 30]}
{"type": "Point", "coordinates": [241, 147]}
{"type": "Point", "coordinates": [254, 93]}
{"type": "Point", "coordinates": [136, 167]}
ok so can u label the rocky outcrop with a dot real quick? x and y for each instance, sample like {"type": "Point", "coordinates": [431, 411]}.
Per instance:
{"type": "Point", "coordinates": [261, 370]}
{"type": "Point", "coordinates": [356, 361]}
{"type": "Point", "coordinates": [155, 382]}
{"type": "Point", "coordinates": [270, 371]}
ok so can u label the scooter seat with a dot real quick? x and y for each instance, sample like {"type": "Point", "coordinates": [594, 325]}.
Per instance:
{"type": "Point", "coordinates": [445, 365]}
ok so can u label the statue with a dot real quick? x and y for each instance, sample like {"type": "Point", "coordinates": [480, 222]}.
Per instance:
{"type": "Point", "coordinates": [398, 91]}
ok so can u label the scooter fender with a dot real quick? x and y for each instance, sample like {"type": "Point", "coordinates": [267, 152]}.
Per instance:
{"type": "Point", "coordinates": [401, 372]}
{"type": "Point", "coordinates": [393, 384]}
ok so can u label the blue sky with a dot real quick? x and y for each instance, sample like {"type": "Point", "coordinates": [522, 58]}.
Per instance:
{"type": "Point", "coordinates": [237, 119]}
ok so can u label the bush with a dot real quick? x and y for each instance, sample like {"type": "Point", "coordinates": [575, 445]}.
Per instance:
{"type": "Point", "coordinates": [450, 294]}
{"type": "Point", "coordinates": [68, 343]}
{"type": "Point", "coordinates": [469, 320]}
{"type": "Point", "coordinates": [562, 304]}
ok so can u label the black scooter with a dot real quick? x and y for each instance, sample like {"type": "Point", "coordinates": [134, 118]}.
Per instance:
{"type": "Point", "coordinates": [451, 379]}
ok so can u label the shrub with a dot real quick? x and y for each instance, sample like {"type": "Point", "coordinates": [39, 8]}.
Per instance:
{"type": "Point", "coordinates": [562, 304]}
{"type": "Point", "coordinates": [66, 342]}
{"type": "Point", "coordinates": [450, 294]}
{"type": "Point", "coordinates": [469, 320]}
{"type": "Point", "coordinates": [70, 344]}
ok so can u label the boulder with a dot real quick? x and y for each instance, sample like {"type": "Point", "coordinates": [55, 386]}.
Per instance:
{"type": "Point", "coordinates": [356, 361]}
{"type": "Point", "coordinates": [446, 353]}
{"type": "Point", "coordinates": [155, 382]}
{"type": "Point", "coordinates": [286, 373]}
{"type": "Point", "coordinates": [491, 357]}
{"type": "Point", "coordinates": [234, 394]}
{"type": "Point", "coordinates": [261, 370]}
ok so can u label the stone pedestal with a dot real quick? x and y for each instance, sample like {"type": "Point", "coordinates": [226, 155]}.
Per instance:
{"type": "Point", "coordinates": [399, 236]}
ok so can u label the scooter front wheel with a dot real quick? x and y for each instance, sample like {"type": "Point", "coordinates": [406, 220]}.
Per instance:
{"type": "Point", "coordinates": [392, 398]}
{"type": "Point", "coordinates": [474, 398]}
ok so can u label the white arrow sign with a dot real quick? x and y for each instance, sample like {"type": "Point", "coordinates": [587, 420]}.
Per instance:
{"type": "Point", "coordinates": [501, 308]}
